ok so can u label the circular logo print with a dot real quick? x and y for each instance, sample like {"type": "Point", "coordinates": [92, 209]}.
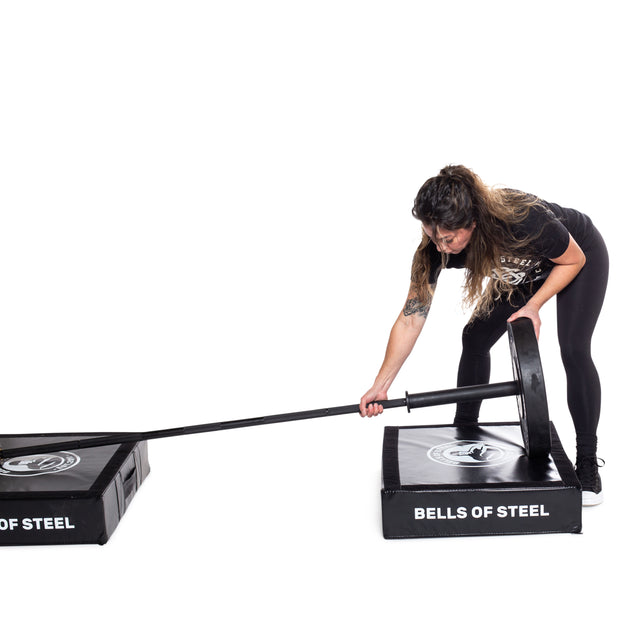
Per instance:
{"type": "Point", "coordinates": [471, 453]}
{"type": "Point", "coordinates": [24, 466]}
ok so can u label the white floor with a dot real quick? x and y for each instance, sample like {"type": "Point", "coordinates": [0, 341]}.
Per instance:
{"type": "Point", "coordinates": [206, 216]}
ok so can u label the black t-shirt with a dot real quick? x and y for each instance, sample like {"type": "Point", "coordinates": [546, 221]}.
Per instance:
{"type": "Point", "coordinates": [549, 225]}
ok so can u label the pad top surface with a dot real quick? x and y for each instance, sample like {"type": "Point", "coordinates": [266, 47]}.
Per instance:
{"type": "Point", "coordinates": [449, 455]}
{"type": "Point", "coordinates": [59, 471]}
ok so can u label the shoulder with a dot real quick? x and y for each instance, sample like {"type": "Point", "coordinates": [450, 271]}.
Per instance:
{"type": "Point", "coordinates": [532, 214]}
{"type": "Point", "coordinates": [546, 230]}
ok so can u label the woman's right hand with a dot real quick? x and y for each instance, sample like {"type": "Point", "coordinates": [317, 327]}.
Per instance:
{"type": "Point", "coordinates": [370, 397]}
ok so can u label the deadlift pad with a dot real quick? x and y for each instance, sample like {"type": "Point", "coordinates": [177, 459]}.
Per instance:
{"type": "Point", "coordinates": [445, 480]}
{"type": "Point", "coordinates": [67, 497]}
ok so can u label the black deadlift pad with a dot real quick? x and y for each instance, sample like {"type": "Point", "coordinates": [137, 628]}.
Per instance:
{"type": "Point", "coordinates": [67, 497]}
{"type": "Point", "coordinates": [445, 480]}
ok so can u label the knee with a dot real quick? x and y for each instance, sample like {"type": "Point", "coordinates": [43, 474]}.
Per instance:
{"type": "Point", "coordinates": [473, 343]}
{"type": "Point", "coordinates": [575, 356]}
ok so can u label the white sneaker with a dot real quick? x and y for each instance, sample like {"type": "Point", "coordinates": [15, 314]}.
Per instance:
{"type": "Point", "coordinates": [589, 476]}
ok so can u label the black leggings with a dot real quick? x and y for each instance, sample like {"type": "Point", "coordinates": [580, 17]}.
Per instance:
{"type": "Point", "coordinates": [578, 308]}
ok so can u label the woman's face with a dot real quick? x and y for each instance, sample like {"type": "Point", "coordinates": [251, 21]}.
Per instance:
{"type": "Point", "coordinates": [449, 240]}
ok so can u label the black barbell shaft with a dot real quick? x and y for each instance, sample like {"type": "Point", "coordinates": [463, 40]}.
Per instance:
{"type": "Point", "coordinates": [463, 394]}
{"type": "Point", "coordinates": [411, 401]}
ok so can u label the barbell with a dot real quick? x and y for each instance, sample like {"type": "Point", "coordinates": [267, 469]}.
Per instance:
{"type": "Point", "coordinates": [528, 386]}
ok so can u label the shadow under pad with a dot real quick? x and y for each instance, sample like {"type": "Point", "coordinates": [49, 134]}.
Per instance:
{"type": "Point", "coordinates": [445, 480]}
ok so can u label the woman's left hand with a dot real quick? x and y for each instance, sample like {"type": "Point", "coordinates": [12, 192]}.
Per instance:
{"type": "Point", "coordinates": [531, 312]}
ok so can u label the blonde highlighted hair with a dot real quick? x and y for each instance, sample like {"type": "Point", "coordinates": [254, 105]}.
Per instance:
{"type": "Point", "coordinates": [457, 199]}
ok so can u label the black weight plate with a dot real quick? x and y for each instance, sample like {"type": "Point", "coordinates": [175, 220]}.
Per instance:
{"type": "Point", "coordinates": [532, 399]}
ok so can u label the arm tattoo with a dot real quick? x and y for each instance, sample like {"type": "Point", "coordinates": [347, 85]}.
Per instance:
{"type": "Point", "coordinates": [413, 306]}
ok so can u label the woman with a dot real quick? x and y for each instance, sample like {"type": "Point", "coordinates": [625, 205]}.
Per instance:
{"type": "Point", "coordinates": [518, 252]}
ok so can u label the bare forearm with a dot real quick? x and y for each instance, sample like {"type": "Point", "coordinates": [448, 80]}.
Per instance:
{"type": "Point", "coordinates": [567, 267]}
{"type": "Point", "coordinates": [561, 275]}
{"type": "Point", "coordinates": [402, 339]}
{"type": "Point", "coordinates": [404, 334]}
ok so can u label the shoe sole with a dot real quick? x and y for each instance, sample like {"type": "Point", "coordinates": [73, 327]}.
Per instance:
{"type": "Point", "coordinates": [591, 499]}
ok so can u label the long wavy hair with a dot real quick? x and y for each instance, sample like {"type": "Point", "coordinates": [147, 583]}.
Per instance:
{"type": "Point", "coordinates": [456, 199]}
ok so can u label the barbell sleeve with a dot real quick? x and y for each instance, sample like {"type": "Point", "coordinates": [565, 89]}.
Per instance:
{"type": "Point", "coordinates": [462, 394]}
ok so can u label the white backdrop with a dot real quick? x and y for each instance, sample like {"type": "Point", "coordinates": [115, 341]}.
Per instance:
{"type": "Point", "coordinates": [206, 215]}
